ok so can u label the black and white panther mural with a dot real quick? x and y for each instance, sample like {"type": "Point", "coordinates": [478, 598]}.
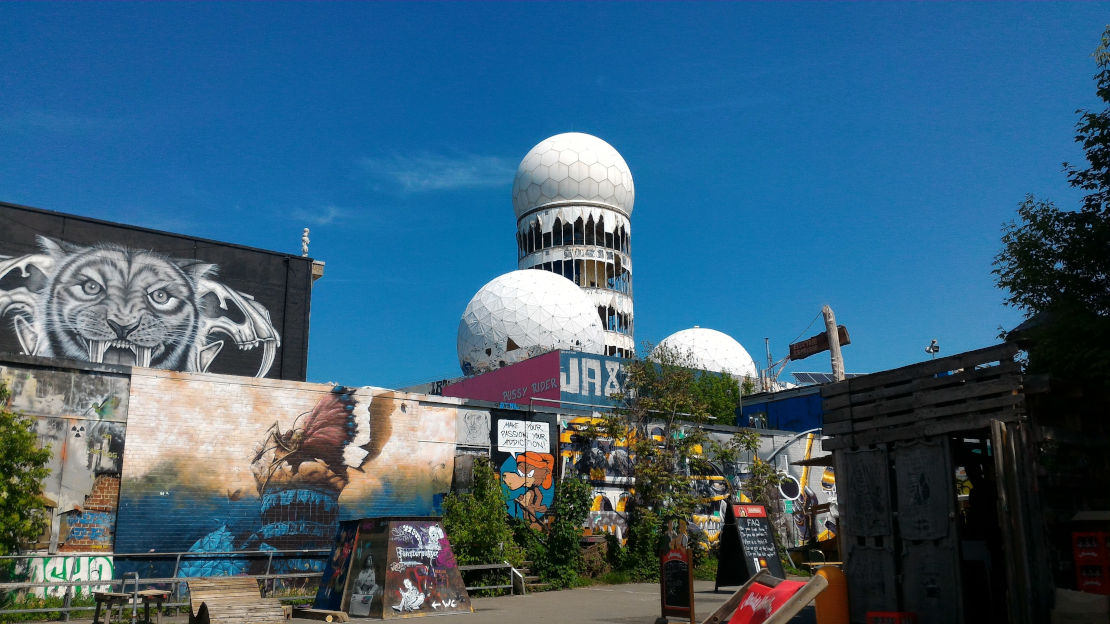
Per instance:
{"type": "Point", "coordinates": [113, 304]}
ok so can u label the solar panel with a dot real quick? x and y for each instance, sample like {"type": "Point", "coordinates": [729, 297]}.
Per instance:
{"type": "Point", "coordinates": [820, 378]}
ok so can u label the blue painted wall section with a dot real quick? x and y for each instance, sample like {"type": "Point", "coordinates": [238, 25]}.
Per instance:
{"type": "Point", "coordinates": [784, 411]}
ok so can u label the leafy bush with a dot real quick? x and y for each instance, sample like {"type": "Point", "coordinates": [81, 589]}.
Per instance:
{"type": "Point", "coordinates": [477, 523]}
{"type": "Point", "coordinates": [595, 560]}
{"type": "Point", "coordinates": [639, 556]}
{"type": "Point", "coordinates": [706, 570]}
{"type": "Point", "coordinates": [561, 560]}
{"type": "Point", "coordinates": [25, 601]}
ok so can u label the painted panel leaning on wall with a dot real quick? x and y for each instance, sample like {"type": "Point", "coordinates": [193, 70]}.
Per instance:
{"type": "Point", "coordinates": [220, 463]}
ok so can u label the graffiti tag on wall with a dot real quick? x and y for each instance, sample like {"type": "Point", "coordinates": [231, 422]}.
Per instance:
{"type": "Point", "coordinates": [90, 526]}
{"type": "Point", "coordinates": [58, 569]}
{"type": "Point", "coordinates": [113, 304]}
{"type": "Point", "coordinates": [590, 379]}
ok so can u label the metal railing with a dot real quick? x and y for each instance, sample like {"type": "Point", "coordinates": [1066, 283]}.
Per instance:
{"type": "Point", "coordinates": [174, 581]}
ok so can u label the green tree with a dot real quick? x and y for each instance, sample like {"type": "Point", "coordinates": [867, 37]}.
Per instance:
{"type": "Point", "coordinates": [23, 466]}
{"type": "Point", "coordinates": [1055, 264]}
{"type": "Point", "coordinates": [477, 522]}
{"type": "Point", "coordinates": [666, 401]}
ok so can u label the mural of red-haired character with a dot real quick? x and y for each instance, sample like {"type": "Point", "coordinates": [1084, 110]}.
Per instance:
{"type": "Point", "coordinates": [528, 481]}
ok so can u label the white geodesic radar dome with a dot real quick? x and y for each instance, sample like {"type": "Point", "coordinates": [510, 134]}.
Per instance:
{"type": "Point", "coordinates": [523, 314]}
{"type": "Point", "coordinates": [573, 167]}
{"type": "Point", "coordinates": [711, 350]}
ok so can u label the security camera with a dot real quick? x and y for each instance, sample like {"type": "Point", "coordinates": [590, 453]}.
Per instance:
{"type": "Point", "coordinates": [933, 347]}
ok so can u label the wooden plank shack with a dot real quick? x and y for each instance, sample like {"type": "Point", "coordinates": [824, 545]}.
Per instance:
{"type": "Point", "coordinates": [956, 393]}
{"type": "Point", "coordinates": [897, 438]}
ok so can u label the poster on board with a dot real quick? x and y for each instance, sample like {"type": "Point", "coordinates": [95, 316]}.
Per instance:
{"type": "Point", "coordinates": [333, 583]}
{"type": "Point", "coordinates": [676, 574]}
{"type": "Point", "coordinates": [364, 594]}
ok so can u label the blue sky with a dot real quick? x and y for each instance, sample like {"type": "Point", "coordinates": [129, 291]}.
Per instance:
{"type": "Point", "coordinates": [785, 156]}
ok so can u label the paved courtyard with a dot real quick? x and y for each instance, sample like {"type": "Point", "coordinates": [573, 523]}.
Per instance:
{"type": "Point", "coordinates": [634, 603]}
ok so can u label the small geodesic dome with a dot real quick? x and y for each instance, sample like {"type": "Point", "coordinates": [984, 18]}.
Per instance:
{"type": "Point", "coordinates": [523, 314]}
{"type": "Point", "coordinates": [710, 350]}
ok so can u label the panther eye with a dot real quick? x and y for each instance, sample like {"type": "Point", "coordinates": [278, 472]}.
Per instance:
{"type": "Point", "coordinates": [159, 296]}
{"type": "Point", "coordinates": [91, 287]}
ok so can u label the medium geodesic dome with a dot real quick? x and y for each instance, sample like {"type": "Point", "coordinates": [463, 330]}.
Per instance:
{"type": "Point", "coordinates": [573, 167]}
{"type": "Point", "coordinates": [710, 350]}
{"type": "Point", "coordinates": [522, 314]}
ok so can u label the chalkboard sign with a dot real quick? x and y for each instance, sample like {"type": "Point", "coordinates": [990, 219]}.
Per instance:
{"type": "Point", "coordinates": [747, 546]}
{"type": "Point", "coordinates": [676, 575]}
{"type": "Point", "coordinates": [677, 589]}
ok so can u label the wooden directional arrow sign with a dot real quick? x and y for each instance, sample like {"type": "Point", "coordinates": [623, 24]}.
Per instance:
{"type": "Point", "coordinates": [816, 344]}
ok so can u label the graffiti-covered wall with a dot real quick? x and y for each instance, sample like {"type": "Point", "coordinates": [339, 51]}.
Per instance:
{"type": "Point", "coordinates": [218, 463]}
{"type": "Point", "coordinates": [81, 415]}
{"type": "Point", "coordinates": [608, 466]}
{"type": "Point", "coordinates": [89, 290]}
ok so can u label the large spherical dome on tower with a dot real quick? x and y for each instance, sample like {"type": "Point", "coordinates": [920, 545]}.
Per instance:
{"type": "Point", "coordinates": [711, 350]}
{"type": "Point", "coordinates": [573, 167]}
{"type": "Point", "coordinates": [522, 314]}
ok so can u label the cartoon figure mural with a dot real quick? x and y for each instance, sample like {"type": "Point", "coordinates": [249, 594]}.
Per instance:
{"type": "Point", "coordinates": [521, 446]}
{"type": "Point", "coordinates": [411, 597]}
{"type": "Point", "coordinates": [532, 473]}
{"type": "Point", "coordinates": [112, 304]}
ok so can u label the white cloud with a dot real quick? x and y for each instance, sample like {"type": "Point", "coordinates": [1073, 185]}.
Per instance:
{"type": "Point", "coordinates": [436, 172]}
{"type": "Point", "coordinates": [325, 215]}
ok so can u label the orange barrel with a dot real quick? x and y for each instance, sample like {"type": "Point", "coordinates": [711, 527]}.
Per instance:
{"type": "Point", "coordinates": [831, 605]}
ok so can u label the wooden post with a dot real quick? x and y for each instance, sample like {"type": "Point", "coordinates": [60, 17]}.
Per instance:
{"type": "Point", "coordinates": [834, 343]}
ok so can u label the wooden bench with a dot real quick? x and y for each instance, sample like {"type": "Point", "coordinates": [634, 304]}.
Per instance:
{"type": "Point", "coordinates": [490, 566]}
{"type": "Point", "coordinates": [120, 599]}
{"type": "Point", "coordinates": [231, 600]}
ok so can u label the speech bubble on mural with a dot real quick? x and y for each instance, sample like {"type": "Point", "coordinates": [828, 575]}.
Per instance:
{"type": "Point", "coordinates": [518, 436]}
{"type": "Point", "coordinates": [538, 437]}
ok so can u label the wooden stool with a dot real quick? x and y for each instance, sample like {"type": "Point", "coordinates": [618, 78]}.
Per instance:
{"type": "Point", "coordinates": [118, 598]}
{"type": "Point", "coordinates": [158, 596]}
{"type": "Point", "coordinates": [109, 598]}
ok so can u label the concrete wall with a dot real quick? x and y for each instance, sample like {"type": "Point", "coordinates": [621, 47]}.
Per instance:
{"type": "Point", "coordinates": [81, 413]}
